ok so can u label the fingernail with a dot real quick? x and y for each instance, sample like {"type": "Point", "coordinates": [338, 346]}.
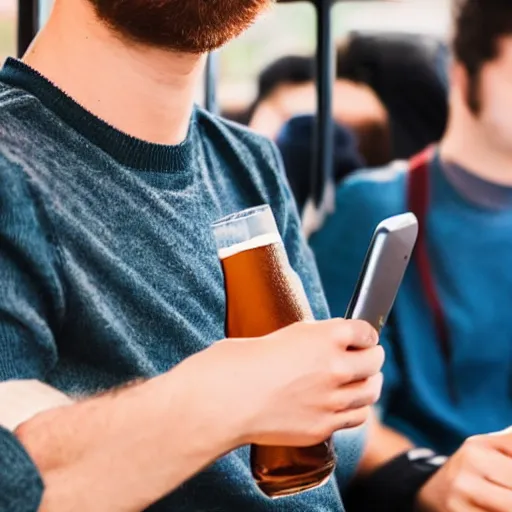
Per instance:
{"type": "Point", "coordinates": [373, 337]}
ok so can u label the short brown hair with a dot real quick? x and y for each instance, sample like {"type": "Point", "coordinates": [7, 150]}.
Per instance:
{"type": "Point", "coordinates": [479, 25]}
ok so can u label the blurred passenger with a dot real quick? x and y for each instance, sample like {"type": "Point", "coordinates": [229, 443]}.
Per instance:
{"type": "Point", "coordinates": [448, 374]}
{"type": "Point", "coordinates": [389, 88]}
{"type": "Point", "coordinates": [408, 74]}
{"type": "Point", "coordinates": [286, 89]}
{"type": "Point", "coordinates": [284, 74]}
{"type": "Point", "coordinates": [295, 142]}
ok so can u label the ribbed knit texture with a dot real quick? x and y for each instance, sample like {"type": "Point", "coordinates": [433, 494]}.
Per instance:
{"type": "Point", "coordinates": [21, 487]}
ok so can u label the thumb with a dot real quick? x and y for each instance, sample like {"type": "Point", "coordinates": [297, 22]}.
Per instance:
{"type": "Point", "coordinates": [507, 431]}
{"type": "Point", "coordinates": [502, 441]}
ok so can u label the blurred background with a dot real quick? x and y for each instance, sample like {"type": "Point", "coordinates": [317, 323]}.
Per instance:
{"type": "Point", "coordinates": [290, 29]}
{"type": "Point", "coordinates": [8, 20]}
{"type": "Point", "coordinates": [287, 29]}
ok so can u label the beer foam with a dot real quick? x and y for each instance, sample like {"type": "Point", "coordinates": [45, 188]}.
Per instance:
{"type": "Point", "coordinates": [253, 243]}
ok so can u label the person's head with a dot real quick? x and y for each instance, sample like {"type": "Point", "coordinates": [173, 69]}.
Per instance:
{"type": "Point", "coordinates": [285, 88]}
{"type": "Point", "coordinates": [190, 26]}
{"type": "Point", "coordinates": [291, 70]}
{"type": "Point", "coordinates": [403, 73]}
{"type": "Point", "coordinates": [295, 142]}
{"type": "Point", "coordinates": [357, 106]}
{"type": "Point", "coordinates": [482, 73]}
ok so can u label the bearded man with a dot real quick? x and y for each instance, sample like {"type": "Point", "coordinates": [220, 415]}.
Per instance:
{"type": "Point", "coordinates": [110, 179]}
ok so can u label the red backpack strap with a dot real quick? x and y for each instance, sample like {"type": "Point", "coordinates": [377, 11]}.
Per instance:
{"type": "Point", "coordinates": [418, 199]}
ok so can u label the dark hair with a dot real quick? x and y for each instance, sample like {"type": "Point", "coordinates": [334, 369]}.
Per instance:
{"type": "Point", "coordinates": [479, 25]}
{"type": "Point", "coordinates": [292, 69]}
{"type": "Point", "coordinates": [408, 74]}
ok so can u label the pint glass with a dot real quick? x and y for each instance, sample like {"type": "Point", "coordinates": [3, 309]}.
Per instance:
{"type": "Point", "coordinates": [264, 294]}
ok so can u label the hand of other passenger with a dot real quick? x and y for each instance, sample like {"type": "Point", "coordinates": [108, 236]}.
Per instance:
{"type": "Point", "coordinates": [478, 478]}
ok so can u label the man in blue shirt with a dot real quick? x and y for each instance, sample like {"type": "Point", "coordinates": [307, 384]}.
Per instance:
{"type": "Point", "coordinates": [448, 371]}
{"type": "Point", "coordinates": [110, 179]}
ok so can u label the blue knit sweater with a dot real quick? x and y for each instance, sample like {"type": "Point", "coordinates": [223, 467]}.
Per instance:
{"type": "Point", "coordinates": [20, 484]}
{"type": "Point", "coordinates": [108, 268]}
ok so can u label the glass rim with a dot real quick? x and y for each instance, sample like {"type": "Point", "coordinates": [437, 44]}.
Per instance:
{"type": "Point", "coordinates": [244, 214]}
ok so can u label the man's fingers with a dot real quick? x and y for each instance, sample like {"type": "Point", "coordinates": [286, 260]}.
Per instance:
{"type": "Point", "coordinates": [358, 394]}
{"type": "Point", "coordinates": [359, 365]}
{"type": "Point", "coordinates": [359, 335]}
{"type": "Point", "coordinates": [353, 334]}
{"type": "Point", "coordinates": [488, 496]}
{"type": "Point", "coordinates": [460, 505]}
{"type": "Point", "coordinates": [501, 441]}
{"type": "Point", "coordinates": [497, 469]}
{"type": "Point", "coordinates": [350, 419]}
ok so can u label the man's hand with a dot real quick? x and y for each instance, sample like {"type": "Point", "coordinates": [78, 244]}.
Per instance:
{"type": "Point", "coordinates": [478, 478]}
{"type": "Point", "coordinates": [113, 453]}
{"type": "Point", "coordinates": [299, 385]}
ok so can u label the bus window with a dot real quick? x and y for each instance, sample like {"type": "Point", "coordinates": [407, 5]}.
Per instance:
{"type": "Point", "coordinates": [8, 20]}
{"type": "Point", "coordinates": [292, 26]}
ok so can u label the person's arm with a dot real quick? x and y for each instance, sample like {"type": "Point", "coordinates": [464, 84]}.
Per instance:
{"type": "Point", "coordinates": [126, 449]}
{"type": "Point", "coordinates": [382, 445]}
{"type": "Point", "coordinates": [123, 451]}
{"type": "Point", "coordinates": [478, 478]}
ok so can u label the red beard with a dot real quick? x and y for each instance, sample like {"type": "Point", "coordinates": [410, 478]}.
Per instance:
{"type": "Point", "coordinates": [193, 26]}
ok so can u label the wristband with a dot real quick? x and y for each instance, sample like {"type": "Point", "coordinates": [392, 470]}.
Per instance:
{"type": "Point", "coordinates": [393, 487]}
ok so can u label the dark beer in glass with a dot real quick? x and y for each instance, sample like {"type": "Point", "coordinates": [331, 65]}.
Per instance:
{"type": "Point", "coordinates": [264, 294]}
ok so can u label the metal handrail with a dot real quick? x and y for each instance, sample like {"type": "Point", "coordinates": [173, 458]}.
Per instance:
{"type": "Point", "coordinates": [322, 171]}
{"type": "Point", "coordinates": [28, 24]}
{"type": "Point", "coordinates": [211, 74]}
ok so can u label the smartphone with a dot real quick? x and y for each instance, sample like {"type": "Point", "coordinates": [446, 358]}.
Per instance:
{"type": "Point", "coordinates": [383, 270]}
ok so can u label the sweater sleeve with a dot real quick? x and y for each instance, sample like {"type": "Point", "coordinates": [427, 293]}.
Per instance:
{"type": "Point", "coordinates": [31, 297]}
{"type": "Point", "coordinates": [21, 486]}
